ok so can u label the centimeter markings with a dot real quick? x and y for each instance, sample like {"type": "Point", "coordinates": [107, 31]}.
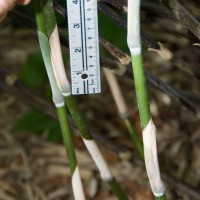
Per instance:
{"type": "Point", "coordinates": [84, 46]}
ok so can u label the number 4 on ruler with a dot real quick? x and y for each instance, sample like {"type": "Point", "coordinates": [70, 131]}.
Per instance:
{"type": "Point", "coordinates": [84, 46]}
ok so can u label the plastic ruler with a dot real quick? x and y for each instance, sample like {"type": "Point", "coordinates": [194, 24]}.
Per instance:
{"type": "Point", "coordinates": [84, 46]}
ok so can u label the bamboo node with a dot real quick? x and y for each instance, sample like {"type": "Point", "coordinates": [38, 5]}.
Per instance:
{"type": "Point", "coordinates": [66, 94]}
{"type": "Point", "coordinates": [59, 105]}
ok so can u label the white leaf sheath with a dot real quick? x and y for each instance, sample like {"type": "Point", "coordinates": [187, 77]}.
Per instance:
{"type": "Point", "coordinates": [133, 39]}
{"type": "Point", "coordinates": [151, 159]}
{"type": "Point", "coordinates": [98, 159]}
{"type": "Point", "coordinates": [58, 65]}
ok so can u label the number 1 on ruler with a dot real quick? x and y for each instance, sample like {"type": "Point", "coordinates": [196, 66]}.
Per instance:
{"type": "Point", "coordinates": [84, 46]}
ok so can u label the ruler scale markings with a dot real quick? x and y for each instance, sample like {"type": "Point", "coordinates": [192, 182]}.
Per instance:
{"type": "Point", "coordinates": [83, 60]}
{"type": "Point", "coordinates": [86, 66]}
{"type": "Point", "coordinates": [87, 86]}
{"type": "Point", "coordinates": [84, 46]}
{"type": "Point", "coordinates": [96, 44]}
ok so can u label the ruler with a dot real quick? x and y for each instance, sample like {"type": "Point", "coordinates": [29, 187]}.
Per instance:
{"type": "Point", "coordinates": [84, 46]}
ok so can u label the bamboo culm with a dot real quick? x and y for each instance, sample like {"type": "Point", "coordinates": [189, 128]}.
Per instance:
{"type": "Point", "coordinates": [43, 30]}
{"type": "Point", "coordinates": [149, 130]}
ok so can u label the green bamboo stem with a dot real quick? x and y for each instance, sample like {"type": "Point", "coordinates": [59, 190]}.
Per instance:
{"type": "Point", "coordinates": [160, 198]}
{"type": "Point", "coordinates": [67, 138]}
{"type": "Point", "coordinates": [121, 105]}
{"type": "Point", "coordinates": [142, 96]}
{"type": "Point", "coordinates": [149, 130]}
{"type": "Point", "coordinates": [141, 90]}
{"type": "Point", "coordinates": [70, 150]}
{"type": "Point", "coordinates": [77, 117]}
{"type": "Point", "coordinates": [117, 189]}
{"type": "Point", "coordinates": [86, 135]}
